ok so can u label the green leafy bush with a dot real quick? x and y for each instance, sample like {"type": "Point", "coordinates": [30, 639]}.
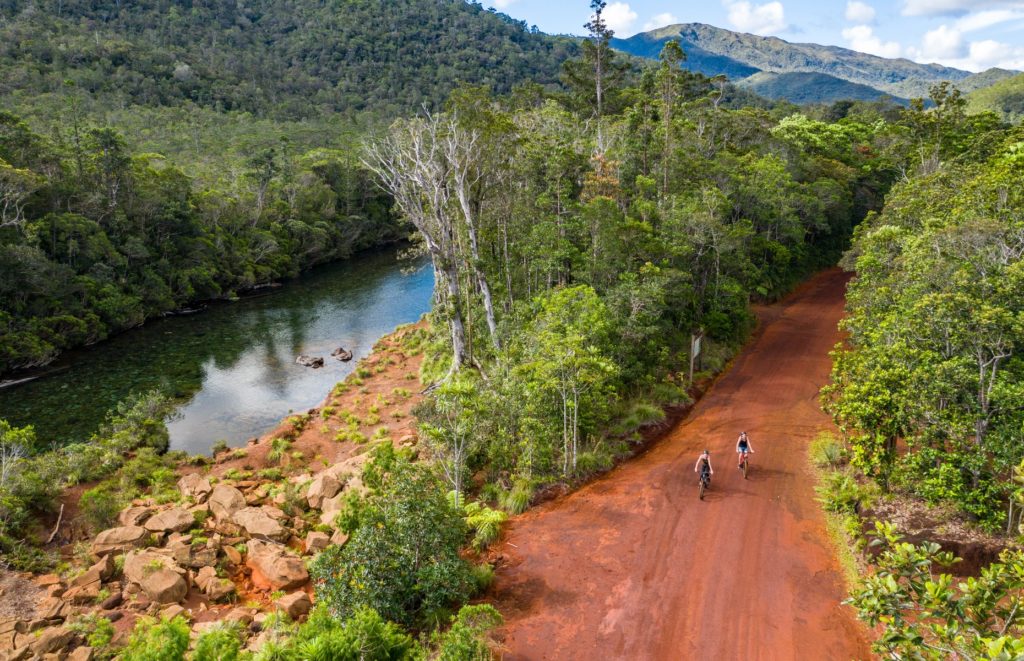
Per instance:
{"type": "Point", "coordinates": [221, 643]}
{"type": "Point", "coordinates": [466, 640]}
{"type": "Point", "coordinates": [484, 522]}
{"type": "Point", "coordinates": [402, 559]}
{"type": "Point", "coordinates": [157, 640]}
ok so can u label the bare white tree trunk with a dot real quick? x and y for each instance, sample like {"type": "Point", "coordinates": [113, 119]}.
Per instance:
{"type": "Point", "coordinates": [411, 165]}
{"type": "Point", "coordinates": [462, 151]}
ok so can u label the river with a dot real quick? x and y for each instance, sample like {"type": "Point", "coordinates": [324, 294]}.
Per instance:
{"type": "Point", "coordinates": [231, 367]}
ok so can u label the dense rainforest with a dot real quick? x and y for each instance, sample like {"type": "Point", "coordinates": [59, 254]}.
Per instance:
{"type": "Point", "coordinates": [95, 239]}
{"type": "Point", "coordinates": [288, 60]}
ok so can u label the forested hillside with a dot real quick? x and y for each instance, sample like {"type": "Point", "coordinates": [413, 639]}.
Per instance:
{"type": "Point", "coordinates": [160, 153]}
{"type": "Point", "coordinates": [1005, 98]}
{"type": "Point", "coordinates": [286, 60]}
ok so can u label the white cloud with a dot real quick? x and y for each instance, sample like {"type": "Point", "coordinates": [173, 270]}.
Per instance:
{"type": "Point", "coordinates": [620, 17]}
{"type": "Point", "coordinates": [859, 12]}
{"type": "Point", "coordinates": [953, 7]}
{"type": "Point", "coordinates": [660, 21]}
{"type": "Point", "coordinates": [942, 43]}
{"type": "Point", "coordinates": [863, 38]}
{"type": "Point", "coordinates": [502, 4]}
{"type": "Point", "coordinates": [757, 19]}
{"type": "Point", "coordinates": [988, 18]}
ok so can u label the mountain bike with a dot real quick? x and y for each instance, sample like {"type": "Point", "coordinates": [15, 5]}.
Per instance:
{"type": "Point", "coordinates": [705, 482]}
{"type": "Point", "coordinates": [744, 464]}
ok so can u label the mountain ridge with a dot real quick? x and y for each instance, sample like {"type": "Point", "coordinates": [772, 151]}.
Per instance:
{"type": "Point", "coordinates": [712, 51]}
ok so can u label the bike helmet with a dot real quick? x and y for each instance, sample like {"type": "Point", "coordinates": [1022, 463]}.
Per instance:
{"type": "Point", "coordinates": [706, 451]}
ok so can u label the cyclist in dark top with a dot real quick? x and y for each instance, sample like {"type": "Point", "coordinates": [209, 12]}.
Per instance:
{"type": "Point", "coordinates": [703, 465]}
{"type": "Point", "coordinates": [743, 448]}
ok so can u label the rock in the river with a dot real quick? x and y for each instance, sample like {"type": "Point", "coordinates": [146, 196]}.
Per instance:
{"type": "Point", "coordinates": [310, 361]}
{"type": "Point", "coordinates": [118, 540]}
{"type": "Point", "coordinates": [341, 354]}
{"type": "Point", "coordinates": [273, 567]}
{"type": "Point", "coordinates": [225, 501]}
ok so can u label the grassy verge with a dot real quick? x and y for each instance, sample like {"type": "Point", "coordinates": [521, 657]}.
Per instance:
{"type": "Point", "coordinates": [841, 497]}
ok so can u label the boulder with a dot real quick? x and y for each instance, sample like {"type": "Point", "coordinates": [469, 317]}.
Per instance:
{"type": "Point", "coordinates": [195, 486]}
{"type": "Point", "coordinates": [259, 524]}
{"type": "Point", "coordinates": [273, 567]}
{"type": "Point", "coordinates": [118, 540]}
{"type": "Point", "coordinates": [232, 554]}
{"type": "Point", "coordinates": [225, 501]}
{"type": "Point", "coordinates": [316, 542]}
{"type": "Point", "coordinates": [82, 653]}
{"type": "Point", "coordinates": [339, 538]}
{"type": "Point", "coordinates": [175, 519]}
{"type": "Point", "coordinates": [296, 605]}
{"type": "Point", "coordinates": [343, 470]}
{"type": "Point", "coordinates": [134, 515]}
{"type": "Point", "coordinates": [341, 354]}
{"type": "Point", "coordinates": [54, 639]}
{"type": "Point", "coordinates": [322, 487]}
{"type": "Point", "coordinates": [165, 586]}
{"type": "Point", "coordinates": [214, 587]}
{"type": "Point", "coordinates": [315, 362]}
{"type": "Point", "coordinates": [140, 564]}
{"type": "Point", "coordinates": [331, 507]}
{"type": "Point", "coordinates": [173, 611]}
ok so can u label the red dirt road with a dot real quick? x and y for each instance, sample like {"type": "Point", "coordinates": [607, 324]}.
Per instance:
{"type": "Point", "coordinates": [634, 566]}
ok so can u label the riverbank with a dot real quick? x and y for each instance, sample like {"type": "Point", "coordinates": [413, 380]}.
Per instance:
{"type": "Point", "coordinates": [231, 368]}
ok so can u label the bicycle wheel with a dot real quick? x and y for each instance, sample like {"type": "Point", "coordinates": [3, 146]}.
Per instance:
{"type": "Point", "coordinates": [700, 490]}
{"type": "Point", "coordinates": [745, 464]}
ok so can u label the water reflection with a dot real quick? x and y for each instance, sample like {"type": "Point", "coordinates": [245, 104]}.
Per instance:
{"type": "Point", "coordinates": [233, 366]}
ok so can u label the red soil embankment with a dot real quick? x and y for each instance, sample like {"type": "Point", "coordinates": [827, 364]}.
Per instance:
{"type": "Point", "coordinates": [634, 566]}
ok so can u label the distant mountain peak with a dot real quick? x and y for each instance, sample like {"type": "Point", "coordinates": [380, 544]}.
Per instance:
{"type": "Point", "coordinates": [712, 51]}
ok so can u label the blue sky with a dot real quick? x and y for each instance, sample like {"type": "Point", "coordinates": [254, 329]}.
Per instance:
{"type": "Point", "coordinates": [968, 34]}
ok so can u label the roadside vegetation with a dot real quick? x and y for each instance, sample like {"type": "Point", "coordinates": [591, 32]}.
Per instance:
{"type": "Point", "coordinates": [927, 389]}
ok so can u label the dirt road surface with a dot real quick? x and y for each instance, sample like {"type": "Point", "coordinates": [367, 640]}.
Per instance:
{"type": "Point", "coordinates": [634, 566]}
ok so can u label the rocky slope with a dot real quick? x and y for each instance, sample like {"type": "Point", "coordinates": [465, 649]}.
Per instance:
{"type": "Point", "coordinates": [233, 541]}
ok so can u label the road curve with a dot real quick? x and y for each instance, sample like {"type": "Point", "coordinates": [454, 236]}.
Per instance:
{"type": "Point", "coordinates": [634, 566]}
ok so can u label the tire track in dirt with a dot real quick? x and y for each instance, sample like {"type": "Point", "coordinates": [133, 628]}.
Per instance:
{"type": "Point", "coordinates": [634, 566]}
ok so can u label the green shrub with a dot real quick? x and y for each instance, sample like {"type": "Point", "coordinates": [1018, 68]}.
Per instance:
{"type": "Point", "coordinates": [221, 643]}
{"type": "Point", "coordinates": [402, 559]}
{"type": "Point", "coordinates": [152, 640]}
{"type": "Point", "coordinates": [101, 505]}
{"type": "Point", "coordinates": [841, 493]}
{"type": "Point", "coordinates": [218, 447]}
{"type": "Point", "coordinates": [485, 523]}
{"type": "Point", "coordinates": [98, 633]}
{"type": "Point", "coordinates": [466, 640]}
{"type": "Point", "coordinates": [827, 451]}
{"type": "Point", "coordinates": [517, 499]}
{"type": "Point", "coordinates": [365, 636]}
{"type": "Point", "coordinates": [483, 577]}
